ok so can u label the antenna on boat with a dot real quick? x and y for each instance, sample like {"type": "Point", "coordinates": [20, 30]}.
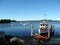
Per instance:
{"type": "Point", "coordinates": [45, 16]}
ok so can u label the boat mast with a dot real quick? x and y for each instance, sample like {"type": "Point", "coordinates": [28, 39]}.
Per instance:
{"type": "Point", "coordinates": [45, 16]}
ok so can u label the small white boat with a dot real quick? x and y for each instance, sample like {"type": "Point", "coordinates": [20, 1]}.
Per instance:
{"type": "Point", "coordinates": [43, 28]}
{"type": "Point", "coordinates": [24, 24]}
{"type": "Point", "coordinates": [20, 22]}
{"type": "Point", "coordinates": [45, 31]}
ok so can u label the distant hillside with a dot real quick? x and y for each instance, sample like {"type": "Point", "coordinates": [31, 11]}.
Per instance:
{"type": "Point", "coordinates": [6, 21]}
{"type": "Point", "coordinates": [41, 20]}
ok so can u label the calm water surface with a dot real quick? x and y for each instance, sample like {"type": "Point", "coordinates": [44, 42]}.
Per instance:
{"type": "Point", "coordinates": [24, 28]}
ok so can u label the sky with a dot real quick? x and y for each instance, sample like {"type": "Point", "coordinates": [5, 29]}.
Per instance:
{"type": "Point", "coordinates": [30, 9]}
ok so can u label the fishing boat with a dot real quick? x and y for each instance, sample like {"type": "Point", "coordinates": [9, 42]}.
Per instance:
{"type": "Point", "coordinates": [45, 31]}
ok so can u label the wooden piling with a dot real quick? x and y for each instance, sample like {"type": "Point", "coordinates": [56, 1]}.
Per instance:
{"type": "Point", "coordinates": [48, 31]}
{"type": "Point", "coordinates": [31, 29]}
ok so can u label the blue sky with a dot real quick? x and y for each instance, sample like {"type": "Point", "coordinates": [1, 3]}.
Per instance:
{"type": "Point", "coordinates": [29, 9]}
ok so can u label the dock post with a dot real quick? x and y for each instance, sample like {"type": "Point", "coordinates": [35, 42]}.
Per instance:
{"type": "Point", "coordinates": [31, 29]}
{"type": "Point", "coordinates": [48, 31]}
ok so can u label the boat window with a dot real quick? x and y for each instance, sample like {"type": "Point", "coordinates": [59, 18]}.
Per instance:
{"type": "Point", "coordinates": [43, 24]}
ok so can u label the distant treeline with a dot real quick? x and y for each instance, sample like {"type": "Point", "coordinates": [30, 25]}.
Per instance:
{"type": "Point", "coordinates": [6, 21]}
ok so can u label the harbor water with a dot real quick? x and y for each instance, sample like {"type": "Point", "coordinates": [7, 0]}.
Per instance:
{"type": "Point", "coordinates": [23, 28]}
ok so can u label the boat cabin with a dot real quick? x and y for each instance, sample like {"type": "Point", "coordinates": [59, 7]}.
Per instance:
{"type": "Point", "coordinates": [43, 28]}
